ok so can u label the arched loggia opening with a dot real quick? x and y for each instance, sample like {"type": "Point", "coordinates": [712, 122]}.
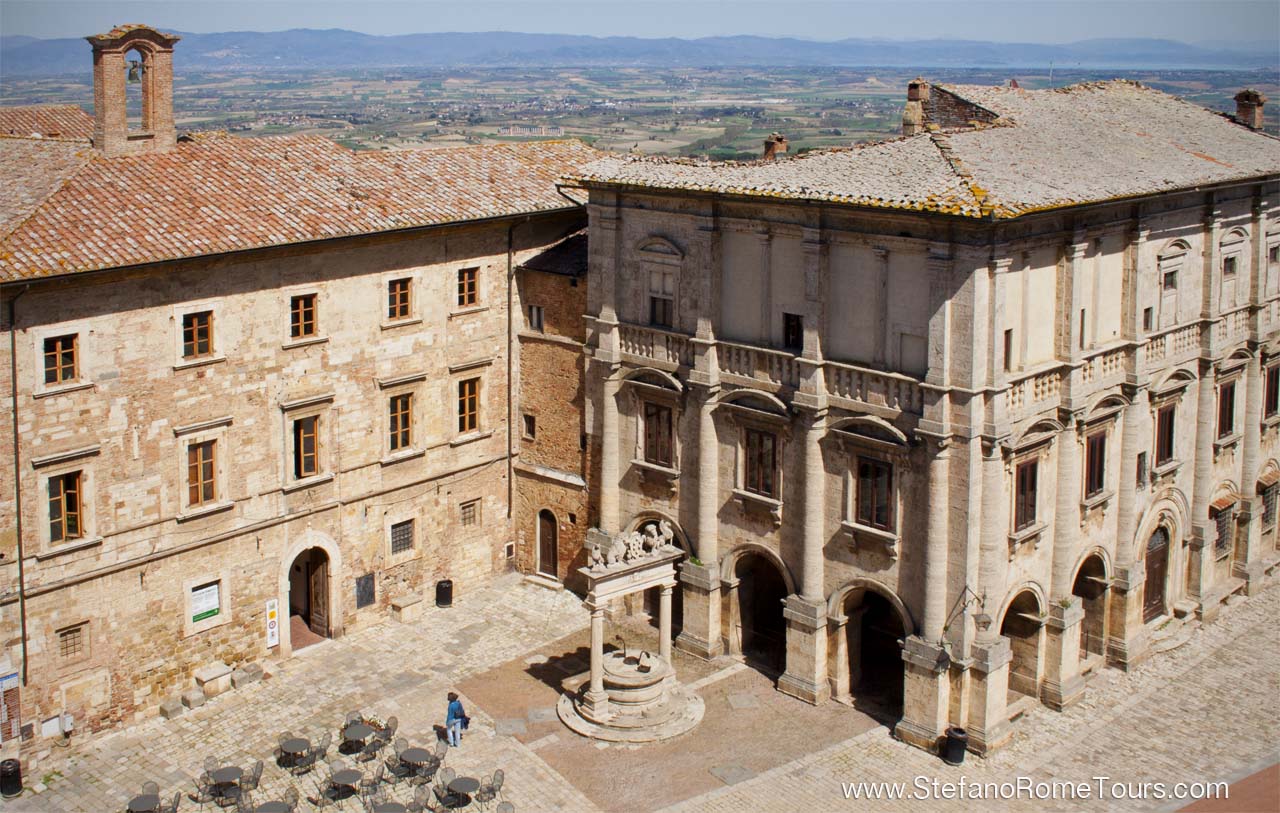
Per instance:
{"type": "Point", "coordinates": [867, 647]}
{"type": "Point", "coordinates": [1023, 625]}
{"type": "Point", "coordinates": [1092, 588]}
{"type": "Point", "coordinates": [755, 627]}
{"type": "Point", "coordinates": [309, 605]}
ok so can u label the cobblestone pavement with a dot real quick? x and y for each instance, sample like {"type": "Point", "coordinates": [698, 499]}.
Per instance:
{"type": "Point", "coordinates": [1205, 711]}
{"type": "Point", "coordinates": [1209, 710]}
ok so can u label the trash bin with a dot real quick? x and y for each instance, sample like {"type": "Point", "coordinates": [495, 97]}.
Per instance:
{"type": "Point", "coordinates": [444, 593]}
{"type": "Point", "coordinates": [954, 747]}
{"type": "Point", "coordinates": [10, 777]}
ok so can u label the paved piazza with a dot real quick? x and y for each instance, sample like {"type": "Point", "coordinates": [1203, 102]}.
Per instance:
{"type": "Point", "coordinates": [1204, 711]}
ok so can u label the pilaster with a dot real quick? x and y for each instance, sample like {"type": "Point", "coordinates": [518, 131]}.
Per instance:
{"type": "Point", "coordinates": [700, 633]}
{"type": "Point", "coordinates": [806, 674]}
{"type": "Point", "coordinates": [988, 722]}
{"type": "Point", "coordinates": [1062, 685]}
{"type": "Point", "coordinates": [926, 693]}
{"type": "Point", "coordinates": [1128, 644]}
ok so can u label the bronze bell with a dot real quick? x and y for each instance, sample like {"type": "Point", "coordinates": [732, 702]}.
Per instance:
{"type": "Point", "coordinates": [135, 70]}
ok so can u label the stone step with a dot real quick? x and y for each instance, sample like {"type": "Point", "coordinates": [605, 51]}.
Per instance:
{"type": "Point", "coordinates": [1167, 643]}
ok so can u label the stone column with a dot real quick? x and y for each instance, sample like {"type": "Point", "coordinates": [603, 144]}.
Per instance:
{"type": "Point", "coordinates": [609, 457]}
{"type": "Point", "coordinates": [988, 723]}
{"type": "Point", "coordinates": [927, 687]}
{"type": "Point", "coordinates": [1062, 684]}
{"type": "Point", "coordinates": [701, 633]}
{"type": "Point", "coordinates": [994, 550]}
{"type": "Point", "coordinates": [1200, 555]}
{"type": "Point", "coordinates": [841, 683]}
{"type": "Point", "coordinates": [664, 622]}
{"type": "Point", "coordinates": [1250, 566]}
{"type": "Point", "coordinates": [1127, 644]}
{"type": "Point", "coordinates": [595, 703]}
{"type": "Point", "coordinates": [806, 614]}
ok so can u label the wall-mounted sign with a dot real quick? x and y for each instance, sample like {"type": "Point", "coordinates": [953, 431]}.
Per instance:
{"type": "Point", "coordinates": [273, 622]}
{"type": "Point", "coordinates": [204, 601]}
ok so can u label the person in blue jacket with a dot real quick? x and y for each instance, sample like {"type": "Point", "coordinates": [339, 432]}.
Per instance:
{"type": "Point", "coordinates": [455, 720]}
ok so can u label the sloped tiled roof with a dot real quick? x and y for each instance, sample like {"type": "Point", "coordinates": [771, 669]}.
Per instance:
{"type": "Point", "coordinates": [47, 121]}
{"type": "Point", "coordinates": [1047, 148]}
{"type": "Point", "coordinates": [218, 193]}
{"type": "Point", "coordinates": [31, 170]}
{"type": "Point", "coordinates": [567, 257]}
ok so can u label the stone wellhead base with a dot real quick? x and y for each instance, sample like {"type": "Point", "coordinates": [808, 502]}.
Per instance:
{"type": "Point", "coordinates": [678, 714]}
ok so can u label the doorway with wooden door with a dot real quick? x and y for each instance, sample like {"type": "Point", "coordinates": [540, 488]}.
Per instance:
{"type": "Point", "coordinates": [309, 598]}
{"type": "Point", "coordinates": [548, 545]}
{"type": "Point", "coordinates": [1157, 562]}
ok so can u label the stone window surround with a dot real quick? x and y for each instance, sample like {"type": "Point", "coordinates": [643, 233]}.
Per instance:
{"type": "Point", "coordinates": [1233, 374]}
{"type": "Point", "coordinates": [383, 282]}
{"type": "Point", "coordinates": [80, 661]}
{"type": "Point", "coordinates": [853, 445]}
{"type": "Point", "coordinates": [216, 431]}
{"type": "Point", "coordinates": [1104, 420]}
{"type": "Point", "coordinates": [286, 297]}
{"type": "Point", "coordinates": [478, 368]}
{"type": "Point", "coordinates": [742, 417]}
{"type": "Point", "coordinates": [84, 357]}
{"type": "Point", "coordinates": [1268, 363]}
{"type": "Point", "coordinates": [313, 406]}
{"type": "Point", "coordinates": [216, 353]}
{"type": "Point", "coordinates": [1035, 447]}
{"type": "Point", "coordinates": [1170, 395]}
{"type": "Point", "coordinates": [640, 392]}
{"type": "Point", "coordinates": [225, 611]}
{"type": "Point", "coordinates": [394, 515]}
{"type": "Point", "coordinates": [406, 384]}
{"type": "Point", "coordinates": [1171, 259]}
{"type": "Point", "coordinates": [54, 465]}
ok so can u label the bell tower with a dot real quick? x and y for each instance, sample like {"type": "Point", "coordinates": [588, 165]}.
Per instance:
{"type": "Point", "coordinates": [113, 69]}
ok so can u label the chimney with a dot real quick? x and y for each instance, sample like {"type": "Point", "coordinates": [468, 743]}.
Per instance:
{"type": "Point", "coordinates": [1249, 104]}
{"type": "Point", "coordinates": [113, 53]}
{"type": "Point", "coordinates": [913, 114]}
{"type": "Point", "coordinates": [774, 144]}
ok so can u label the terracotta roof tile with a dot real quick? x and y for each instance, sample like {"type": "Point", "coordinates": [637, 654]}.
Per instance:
{"type": "Point", "coordinates": [47, 121]}
{"type": "Point", "coordinates": [218, 193]}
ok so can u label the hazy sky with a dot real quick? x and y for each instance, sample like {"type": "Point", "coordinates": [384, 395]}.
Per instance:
{"type": "Point", "coordinates": [1005, 20]}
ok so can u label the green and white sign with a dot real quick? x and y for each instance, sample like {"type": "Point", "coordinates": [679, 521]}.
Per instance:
{"type": "Point", "coordinates": [204, 601]}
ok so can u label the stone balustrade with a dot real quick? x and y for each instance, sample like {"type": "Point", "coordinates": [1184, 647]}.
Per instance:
{"type": "Point", "coordinates": [874, 387]}
{"type": "Point", "coordinates": [759, 365]}
{"type": "Point", "coordinates": [654, 346]}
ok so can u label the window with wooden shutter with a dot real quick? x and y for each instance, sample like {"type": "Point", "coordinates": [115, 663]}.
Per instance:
{"type": "Point", "coordinates": [1095, 478]}
{"type": "Point", "coordinates": [1227, 409]}
{"type": "Point", "coordinates": [1164, 434]}
{"type": "Point", "coordinates": [306, 447]}
{"type": "Point", "coordinates": [201, 468]}
{"type": "Point", "coordinates": [874, 497]}
{"type": "Point", "coordinates": [657, 435]}
{"type": "Point", "coordinates": [65, 508]}
{"type": "Point", "coordinates": [400, 421]}
{"type": "Point", "coordinates": [1024, 511]}
{"type": "Point", "coordinates": [759, 469]}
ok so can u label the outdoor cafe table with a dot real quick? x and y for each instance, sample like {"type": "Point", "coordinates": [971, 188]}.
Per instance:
{"type": "Point", "coordinates": [224, 778]}
{"type": "Point", "coordinates": [462, 788]}
{"type": "Point", "coordinates": [272, 807]}
{"type": "Point", "coordinates": [347, 778]}
{"type": "Point", "coordinates": [293, 748]}
{"type": "Point", "coordinates": [417, 757]}
{"type": "Point", "coordinates": [144, 803]}
{"type": "Point", "coordinates": [357, 732]}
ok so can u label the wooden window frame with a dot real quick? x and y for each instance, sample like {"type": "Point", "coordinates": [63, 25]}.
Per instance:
{"type": "Point", "coordinates": [1166, 434]}
{"type": "Point", "coordinates": [1026, 488]}
{"type": "Point", "coordinates": [469, 287]}
{"type": "Point", "coordinates": [1271, 391]}
{"type": "Point", "coordinates": [760, 462]}
{"type": "Point", "coordinates": [400, 422]}
{"type": "Point", "coordinates": [191, 338]}
{"type": "Point", "coordinates": [297, 429]}
{"type": "Point", "coordinates": [57, 356]}
{"type": "Point", "coordinates": [868, 474]}
{"type": "Point", "coordinates": [202, 473]}
{"type": "Point", "coordinates": [65, 533]}
{"type": "Point", "coordinates": [469, 405]}
{"type": "Point", "coordinates": [1095, 463]}
{"type": "Point", "coordinates": [1226, 417]}
{"type": "Point", "coordinates": [662, 304]}
{"type": "Point", "coordinates": [399, 299]}
{"type": "Point", "coordinates": [658, 447]}
{"type": "Point", "coordinates": [303, 316]}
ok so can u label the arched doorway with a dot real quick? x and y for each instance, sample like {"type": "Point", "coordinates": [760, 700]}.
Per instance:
{"type": "Point", "coordinates": [1157, 564]}
{"type": "Point", "coordinates": [1022, 625]}
{"type": "Point", "coordinates": [1091, 586]}
{"type": "Point", "coordinates": [873, 635]}
{"type": "Point", "coordinates": [309, 605]}
{"type": "Point", "coordinates": [548, 545]}
{"type": "Point", "coordinates": [757, 628]}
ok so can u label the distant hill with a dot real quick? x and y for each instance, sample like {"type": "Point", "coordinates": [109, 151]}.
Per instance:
{"type": "Point", "coordinates": [302, 49]}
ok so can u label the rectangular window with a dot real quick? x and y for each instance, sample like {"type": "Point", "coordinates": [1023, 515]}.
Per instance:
{"type": "Point", "coordinates": [662, 298]}
{"type": "Point", "coordinates": [1141, 469]}
{"type": "Point", "coordinates": [657, 435]}
{"type": "Point", "coordinates": [1225, 538]}
{"type": "Point", "coordinates": [206, 601]}
{"type": "Point", "coordinates": [1024, 509]}
{"type": "Point", "coordinates": [1008, 350]}
{"type": "Point", "coordinates": [1229, 266]}
{"type": "Point", "coordinates": [201, 464]}
{"type": "Point", "coordinates": [469, 405]}
{"type": "Point", "coordinates": [468, 290]}
{"type": "Point", "coordinates": [1169, 281]}
{"type": "Point", "coordinates": [60, 359]}
{"type": "Point", "coordinates": [875, 480]}
{"type": "Point", "coordinates": [535, 317]}
{"type": "Point", "coordinates": [1148, 318]}
{"type": "Point", "coordinates": [72, 642]}
{"type": "Point", "coordinates": [469, 513]}
{"type": "Point", "coordinates": [1273, 254]}
{"type": "Point", "coordinates": [1271, 393]}
{"type": "Point", "coordinates": [1226, 409]}
{"type": "Point", "coordinates": [399, 300]}
{"type": "Point", "coordinates": [1164, 434]}
{"type": "Point", "coordinates": [400, 421]}
{"type": "Point", "coordinates": [1269, 505]}
{"type": "Point", "coordinates": [1095, 467]}
{"type": "Point", "coordinates": [759, 471]}
{"type": "Point", "coordinates": [306, 447]}
{"type": "Point", "coordinates": [530, 427]}
{"type": "Point", "coordinates": [1082, 327]}
{"type": "Point", "coordinates": [792, 331]}
{"type": "Point", "coordinates": [197, 334]}
{"type": "Point", "coordinates": [302, 316]}
{"type": "Point", "coordinates": [402, 537]}
{"type": "Point", "coordinates": [65, 508]}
